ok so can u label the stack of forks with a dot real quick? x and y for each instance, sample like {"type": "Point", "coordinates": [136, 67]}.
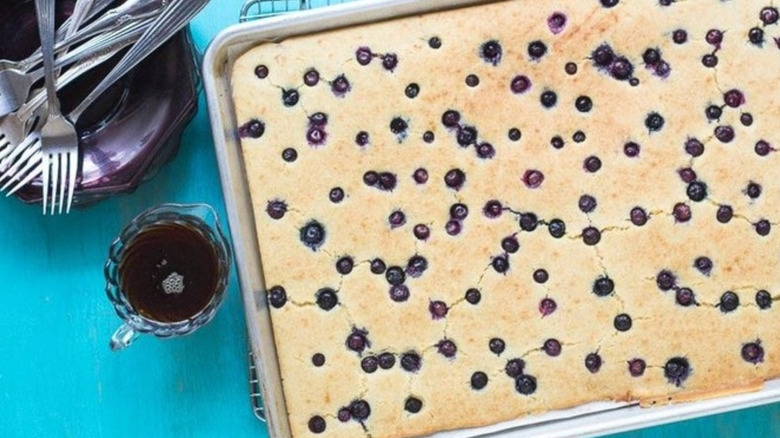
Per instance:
{"type": "Point", "coordinates": [36, 140]}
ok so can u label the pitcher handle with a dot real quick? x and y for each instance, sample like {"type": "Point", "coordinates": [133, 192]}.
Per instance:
{"type": "Point", "coordinates": [122, 337]}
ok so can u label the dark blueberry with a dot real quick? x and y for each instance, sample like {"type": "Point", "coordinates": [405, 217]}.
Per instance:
{"type": "Point", "coordinates": [578, 137]}
{"type": "Point", "coordinates": [454, 179]}
{"type": "Point", "coordinates": [552, 347]}
{"type": "Point", "coordinates": [694, 147]}
{"type": "Point", "coordinates": [746, 119]}
{"type": "Point", "coordinates": [386, 361]}
{"type": "Point", "coordinates": [421, 231]}
{"type": "Point", "coordinates": [344, 415]}
{"type": "Point", "coordinates": [756, 36]}
{"type": "Point", "coordinates": [583, 104]}
{"type": "Point", "coordinates": [420, 176]}
{"type": "Point", "coordinates": [369, 364]}
{"type": "Point", "coordinates": [622, 322]}
{"type": "Point", "coordinates": [261, 71]}
{"type": "Point", "coordinates": [603, 286]}
{"type": "Point", "coordinates": [318, 119]}
{"type": "Point", "coordinates": [399, 293]}
{"type": "Point", "coordinates": [609, 3]}
{"type": "Point", "coordinates": [416, 266]}
{"type": "Point", "coordinates": [729, 301]}
{"type": "Point", "coordinates": [289, 155]}
{"type": "Point", "coordinates": [336, 195]}
{"type": "Point", "coordinates": [362, 138]}
{"type": "Point", "coordinates": [472, 80]}
{"type": "Point", "coordinates": [587, 203]}
{"type": "Point", "coordinates": [357, 341]}
{"type": "Point", "coordinates": [621, 69]}
{"type": "Point", "coordinates": [514, 367]}
{"type": "Point", "coordinates": [537, 49]}
{"type": "Point", "coordinates": [411, 361]}
{"type": "Point", "coordinates": [396, 219]}
{"type": "Point", "coordinates": [528, 221]}
{"type": "Point", "coordinates": [360, 409]}
{"type": "Point", "coordinates": [378, 266]}
{"type": "Point", "coordinates": [663, 69]}
{"type": "Point", "coordinates": [734, 98]}
{"type": "Point", "coordinates": [459, 211]}
{"type": "Point", "coordinates": [651, 56]}
{"type": "Point", "coordinates": [387, 181]}
{"type": "Point", "coordinates": [390, 61]}
{"type": "Point", "coordinates": [763, 227]}
{"type": "Point", "coordinates": [412, 90]}
{"type": "Point", "coordinates": [450, 118]}
{"type": "Point", "coordinates": [428, 137]}
{"type": "Point", "coordinates": [434, 42]}
{"type": "Point", "coordinates": [753, 190]}
{"type": "Point", "coordinates": [526, 384]}
{"type": "Point", "coordinates": [514, 134]}
{"type": "Point", "coordinates": [763, 299]}
{"type": "Point", "coordinates": [603, 55]}
{"type": "Point", "coordinates": [340, 85]}
{"type": "Point", "coordinates": [677, 370]}
{"type": "Point", "coordinates": [533, 178]}
{"type": "Point", "coordinates": [556, 22]}
{"type": "Point", "coordinates": [316, 135]}
{"type": "Point", "coordinates": [687, 174]}
{"type": "Point", "coordinates": [541, 276]}
{"type": "Point", "coordinates": [654, 122]}
{"type": "Point", "coordinates": [438, 309]}
{"type": "Point", "coordinates": [709, 60]}
{"type": "Point", "coordinates": [570, 68]}
{"type": "Point", "coordinates": [473, 296]}
{"type": "Point", "coordinates": [548, 99]}
{"type": "Point", "coordinates": [592, 164]}
{"type": "Point", "coordinates": [395, 275]}
{"type": "Point", "coordinates": [491, 52]}
{"type": "Point", "coordinates": [398, 126]}
{"type": "Point", "coordinates": [497, 345]}
{"type": "Point", "coordinates": [591, 236]}
{"type": "Point", "coordinates": [631, 149]}
{"type": "Point", "coordinates": [714, 37]}
{"type": "Point", "coordinates": [724, 214]}
{"type": "Point", "coordinates": [713, 112]}
{"type": "Point", "coordinates": [290, 97]}
{"type": "Point", "coordinates": [593, 362]}
{"type": "Point", "coordinates": [638, 216]}
{"type": "Point", "coordinates": [479, 380]}
{"type": "Point", "coordinates": [447, 348]}
{"type": "Point", "coordinates": [763, 148]}
{"type": "Point", "coordinates": [703, 264]}
{"type": "Point", "coordinates": [467, 135]}
{"type": "Point", "coordinates": [492, 209]}
{"type": "Point", "coordinates": [769, 15]}
{"type": "Point", "coordinates": [684, 296]}
{"type": "Point", "coordinates": [252, 129]}
{"type": "Point", "coordinates": [344, 265]}
{"type": "Point", "coordinates": [557, 142]}
{"type": "Point", "coordinates": [363, 55]}
{"type": "Point", "coordinates": [510, 244]}
{"type": "Point", "coordinates": [486, 150]}
{"type": "Point", "coordinates": [318, 359]}
{"type": "Point", "coordinates": [753, 352]}
{"type": "Point", "coordinates": [696, 191]}
{"type": "Point", "coordinates": [557, 228]}
{"type": "Point", "coordinates": [681, 212]}
{"type": "Point", "coordinates": [636, 367]}
{"type": "Point", "coordinates": [520, 84]}
{"type": "Point", "coordinates": [276, 209]}
{"type": "Point", "coordinates": [277, 296]}
{"type": "Point", "coordinates": [317, 424]}
{"type": "Point", "coordinates": [547, 306]}
{"type": "Point", "coordinates": [453, 227]}
{"type": "Point", "coordinates": [327, 298]}
{"type": "Point", "coordinates": [413, 405]}
{"type": "Point", "coordinates": [311, 77]}
{"type": "Point", "coordinates": [312, 234]}
{"type": "Point", "coordinates": [500, 264]}
{"type": "Point", "coordinates": [680, 36]}
{"type": "Point", "coordinates": [666, 2]}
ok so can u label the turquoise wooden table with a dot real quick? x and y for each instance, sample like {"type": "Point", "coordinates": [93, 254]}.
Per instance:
{"type": "Point", "coordinates": [57, 375]}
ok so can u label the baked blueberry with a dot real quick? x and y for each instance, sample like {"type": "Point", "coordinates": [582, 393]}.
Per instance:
{"type": "Point", "coordinates": [578, 137]}
{"type": "Point", "coordinates": [420, 176]}
{"type": "Point", "coordinates": [528, 221]}
{"type": "Point", "coordinates": [369, 364]}
{"type": "Point", "coordinates": [357, 341]}
{"type": "Point", "coordinates": [447, 348]}
{"type": "Point", "coordinates": [603, 55]}
{"type": "Point", "coordinates": [746, 119]}
{"type": "Point", "coordinates": [454, 179]}
{"type": "Point", "coordinates": [277, 297]}
{"type": "Point", "coordinates": [510, 244]}
{"type": "Point", "coordinates": [491, 52]}
{"type": "Point", "coordinates": [622, 322]}
{"type": "Point", "coordinates": [631, 149]}
{"type": "Point", "coordinates": [621, 68]}
{"type": "Point", "coordinates": [396, 219]}
{"type": "Point", "coordinates": [756, 36]}
{"type": "Point", "coordinates": [514, 134]}
{"type": "Point", "coordinates": [681, 212]}
{"type": "Point", "coordinates": [697, 191]}
{"type": "Point", "coordinates": [703, 264]}
{"type": "Point", "coordinates": [289, 155]}
{"type": "Point", "coordinates": [276, 209]}
{"type": "Point", "coordinates": [533, 178]}
{"type": "Point", "coordinates": [763, 227]}
{"type": "Point", "coordinates": [654, 122]}
{"type": "Point", "coordinates": [362, 138]}
{"type": "Point", "coordinates": [541, 276]}
{"type": "Point", "coordinates": [395, 275]}
{"type": "Point", "coordinates": [360, 409]}
{"type": "Point", "coordinates": [344, 265]}
{"type": "Point", "coordinates": [520, 84]}
{"type": "Point", "coordinates": [398, 126]}
{"type": "Point", "coordinates": [450, 118]}
{"type": "Point", "coordinates": [753, 190]}
{"type": "Point", "coordinates": [434, 42]}
{"type": "Point", "coordinates": [557, 228]}
{"type": "Point", "coordinates": [665, 280]}
{"type": "Point", "coordinates": [472, 80]}
{"type": "Point", "coordinates": [769, 15]}
{"type": "Point", "coordinates": [729, 302]}
{"type": "Point", "coordinates": [724, 214]}
{"type": "Point", "coordinates": [570, 68]}
{"type": "Point", "coordinates": [709, 60]}
{"type": "Point", "coordinates": [593, 362]}
{"type": "Point", "coordinates": [317, 424]}
{"type": "Point", "coordinates": [318, 359]}
{"type": "Point", "coordinates": [497, 346]}
{"type": "Point", "coordinates": [327, 298]}
{"type": "Point", "coordinates": [684, 296]}
{"type": "Point", "coordinates": [479, 380]}
{"type": "Point", "coordinates": [453, 227]}
{"type": "Point", "coordinates": [413, 405]}
{"type": "Point", "coordinates": [514, 367]}
{"type": "Point", "coordinates": [651, 56]}
{"type": "Point", "coordinates": [583, 104]}
{"type": "Point", "coordinates": [387, 181]}
{"type": "Point", "coordinates": [763, 148]}
{"type": "Point", "coordinates": [316, 135]}
{"type": "Point", "coordinates": [591, 236]}
{"type": "Point", "coordinates": [592, 164]}
{"type": "Point", "coordinates": [412, 90]}
{"type": "Point", "coordinates": [500, 263]}
{"type": "Point", "coordinates": [638, 216]}
{"type": "Point", "coordinates": [438, 309]}
{"type": "Point", "coordinates": [252, 129]}
{"type": "Point", "coordinates": [416, 266]}
{"type": "Point", "coordinates": [537, 49]}
{"type": "Point", "coordinates": [694, 147]}
{"type": "Point", "coordinates": [386, 360]}
{"type": "Point", "coordinates": [603, 286]}
{"type": "Point", "coordinates": [378, 266]}
{"type": "Point", "coordinates": [724, 133]}
{"type": "Point", "coordinates": [363, 55]}
{"type": "Point", "coordinates": [526, 384]}
{"type": "Point", "coordinates": [714, 37]}
{"type": "Point", "coordinates": [467, 135]}
{"type": "Point", "coordinates": [587, 203]}
{"type": "Point", "coordinates": [411, 361]}
{"type": "Point", "coordinates": [340, 86]}
{"type": "Point", "coordinates": [336, 195]}
{"type": "Point", "coordinates": [609, 3]}
{"type": "Point", "coordinates": [734, 98]}
{"type": "Point", "coordinates": [473, 296]}
{"type": "Point", "coordinates": [344, 415]}
{"type": "Point", "coordinates": [492, 209]}
{"type": "Point", "coordinates": [312, 234]}
{"type": "Point", "coordinates": [556, 22]}
{"type": "Point", "coordinates": [676, 370]}
{"type": "Point", "coordinates": [680, 36]}
{"type": "Point", "coordinates": [557, 142]}
{"type": "Point", "coordinates": [636, 367]}
{"type": "Point", "coordinates": [421, 231]}
{"type": "Point", "coordinates": [311, 77]}
{"type": "Point", "coordinates": [763, 299]}
{"type": "Point", "coordinates": [547, 306]}
{"type": "Point", "coordinates": [485, 150]}
{"type": "Point", "coordinates": [753, 352]}
{"type": "Point", "coordinates": [428, 137]}
{"type": "Point", "coordinates": [687, 174]}
{"type": "Point", "coordinates": [389, 61]}
{"type": "Point", "coordinates": [371, 178]}
{"type": "Point", "coordinates": [548, 99]}
{"type": "Point", "coordinates": [552, 347]}
{"type": "Point", "coordinates": [261, 71]}
{"type": "Point", "coordinates": [290, 97]}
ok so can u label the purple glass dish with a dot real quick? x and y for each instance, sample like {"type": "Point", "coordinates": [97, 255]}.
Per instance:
{"type": "Point", "coordinates": [135, 127]}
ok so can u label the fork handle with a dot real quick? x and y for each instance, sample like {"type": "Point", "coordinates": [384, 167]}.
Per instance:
{"type": "Point", "coordinates": [170, 21]}
{"type": "Point", "coordinates": [45, 9]}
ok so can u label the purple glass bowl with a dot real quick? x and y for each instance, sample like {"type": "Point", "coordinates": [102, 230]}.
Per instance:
{"type": "Point", "coordinates": [134, 127]}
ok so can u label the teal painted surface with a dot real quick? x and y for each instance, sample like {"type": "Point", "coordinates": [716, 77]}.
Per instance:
{"type": "Point", "coordinates": [57, 375]}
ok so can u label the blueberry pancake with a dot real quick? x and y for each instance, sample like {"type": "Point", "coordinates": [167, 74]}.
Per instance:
{"type": "Point", "coordinates": [475, 215]}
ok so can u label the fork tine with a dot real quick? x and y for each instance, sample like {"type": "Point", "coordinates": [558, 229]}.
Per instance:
{"type": "Point", "coordinates": [73, 167]}
{"type": "Point", "coordinates": [45, 182]}
{"type": "Point", "coordinates": [63, 159]}
{"type": "Point", "coordinates": [33, 168]}
{"type": "Point", "coordinates": [12, 171]}
{"type": "Point", "coordinates": [55, 180]}
{"type": "Point", "coordinates": [32, 155]}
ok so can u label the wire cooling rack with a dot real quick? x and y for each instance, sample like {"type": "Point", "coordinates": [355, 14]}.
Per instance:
{"type": "Point", "coordinates": [254, 9]}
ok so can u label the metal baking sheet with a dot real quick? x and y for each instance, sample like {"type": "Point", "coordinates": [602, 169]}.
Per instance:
{"type": "Point", "coordinates": [587, 420]}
